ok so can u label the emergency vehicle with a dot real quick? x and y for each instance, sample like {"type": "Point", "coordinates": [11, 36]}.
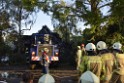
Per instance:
{"type": "Point", "coordinates": [38, 43]}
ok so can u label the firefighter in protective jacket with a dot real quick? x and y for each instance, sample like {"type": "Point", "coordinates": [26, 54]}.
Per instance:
{"type": "Point", "coordinates": [107, 60]}
{"type": "Point", "coordinates": [91, 62]}
{"type": "Point", "coordinates": [118, 73]}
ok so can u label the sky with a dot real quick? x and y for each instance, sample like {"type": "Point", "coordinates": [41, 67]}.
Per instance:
{"type": "Point", "coordinates": [42, 19]}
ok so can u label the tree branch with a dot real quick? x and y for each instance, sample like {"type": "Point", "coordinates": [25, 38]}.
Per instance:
{"type": "Point", "coordinates": [105, 5]}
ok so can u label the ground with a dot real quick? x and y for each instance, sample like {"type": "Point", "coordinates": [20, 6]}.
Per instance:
{"type": "Point", "coordinates": [63, 74]}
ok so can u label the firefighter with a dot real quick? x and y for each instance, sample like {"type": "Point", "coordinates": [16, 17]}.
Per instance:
{"type": "Point", "coordinates": [102, 47]}
{"type": "Point", "coordinates": [83, 49]}
{"type": "Point", "coordinates": [91, 62]}
{"type": "Point", "coordinates": [117, 48]}
{"type": "Point", "coordinates": [45, 61]}
{"type": "Point", "coordinates": [107, 60]}
{"type": "Point", "coordinates": [118, 73]}
{"type": "Point", "coordinates": [78, 56]}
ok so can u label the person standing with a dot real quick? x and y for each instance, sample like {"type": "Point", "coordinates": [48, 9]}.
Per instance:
{"type": "Point", "coordinates": [91, 62]}
{"type": "Point", "coordinates": [78, 56]}
{"type": "Point", "coordinates": [107, 60]}
{"type": "Point", "coordinates": [118, 73]}
{"type": "Point", "coordinates": [45, 61]}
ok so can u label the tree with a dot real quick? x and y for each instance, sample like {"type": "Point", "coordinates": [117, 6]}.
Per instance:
{"type": "Point", "coordinates": [22, 14]}
{"type": "Point", "coordinates": [116, 10]}
{"type": "Point", "coordinates": [115, 23]}
{"type": "Point", "coordinates": [90, 11]}
{"type": "Point", "coordinates": [116, 16]}
{"type": "Point", "coordinates": [4, 19]}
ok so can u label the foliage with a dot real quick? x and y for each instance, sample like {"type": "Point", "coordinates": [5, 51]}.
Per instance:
{"type": "Point", "coordinates": [116, 16]}
{"type": "Point", "coordinates": [117, 8]}
{"type": "Point", "coordinates": [4, 49]}
{"type": "Point", "coordinates": [114, 34]}
{"type": "Point", "coordinates": [20, 15]}
{"type": "Point", "coordinates": [15, 14]}
{"type": "Point", "coordinates": [65, 16]}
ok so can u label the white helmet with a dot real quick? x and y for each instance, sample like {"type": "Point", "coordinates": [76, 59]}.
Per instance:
{"type": "Point", "coordinates": [90, 47]}
{"type": "Point", "coordinates": [101, 45]}
{"type": "Point", "coordinates": [117, 45]}
{"type": "Point", "coordinates": [79, 47]}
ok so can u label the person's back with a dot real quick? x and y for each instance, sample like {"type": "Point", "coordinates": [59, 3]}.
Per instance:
{"type": "Point", "coordinates": [118, 73]}
{"type": "Point", "coordinates": [91, 62]}
{"type": "Point", "coordinates": [94, 64]}
{"type": "Point", "coordinates": [107, 62]}
{"type": "Point", "coordinates": [119, 64]}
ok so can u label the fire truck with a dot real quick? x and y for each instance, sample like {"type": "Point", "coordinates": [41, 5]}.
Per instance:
{"type": "Point", "coordinates": [38, 43]}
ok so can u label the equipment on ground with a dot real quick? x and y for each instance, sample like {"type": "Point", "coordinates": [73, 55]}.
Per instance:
{"type": "Point", "coordinates": [46, 78]}
{"type": "Point", "coordinates": [89, 77]}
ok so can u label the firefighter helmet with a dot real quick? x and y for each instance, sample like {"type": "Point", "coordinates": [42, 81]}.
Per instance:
{"type": "Point", "coordinates": [101, 45]}
{"type": "Point", "coordinates": [90, 47]}
{"type": "Point", "coordinates": [117, 46]}
{"type": "Point", "coordinates": [78, 47]}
